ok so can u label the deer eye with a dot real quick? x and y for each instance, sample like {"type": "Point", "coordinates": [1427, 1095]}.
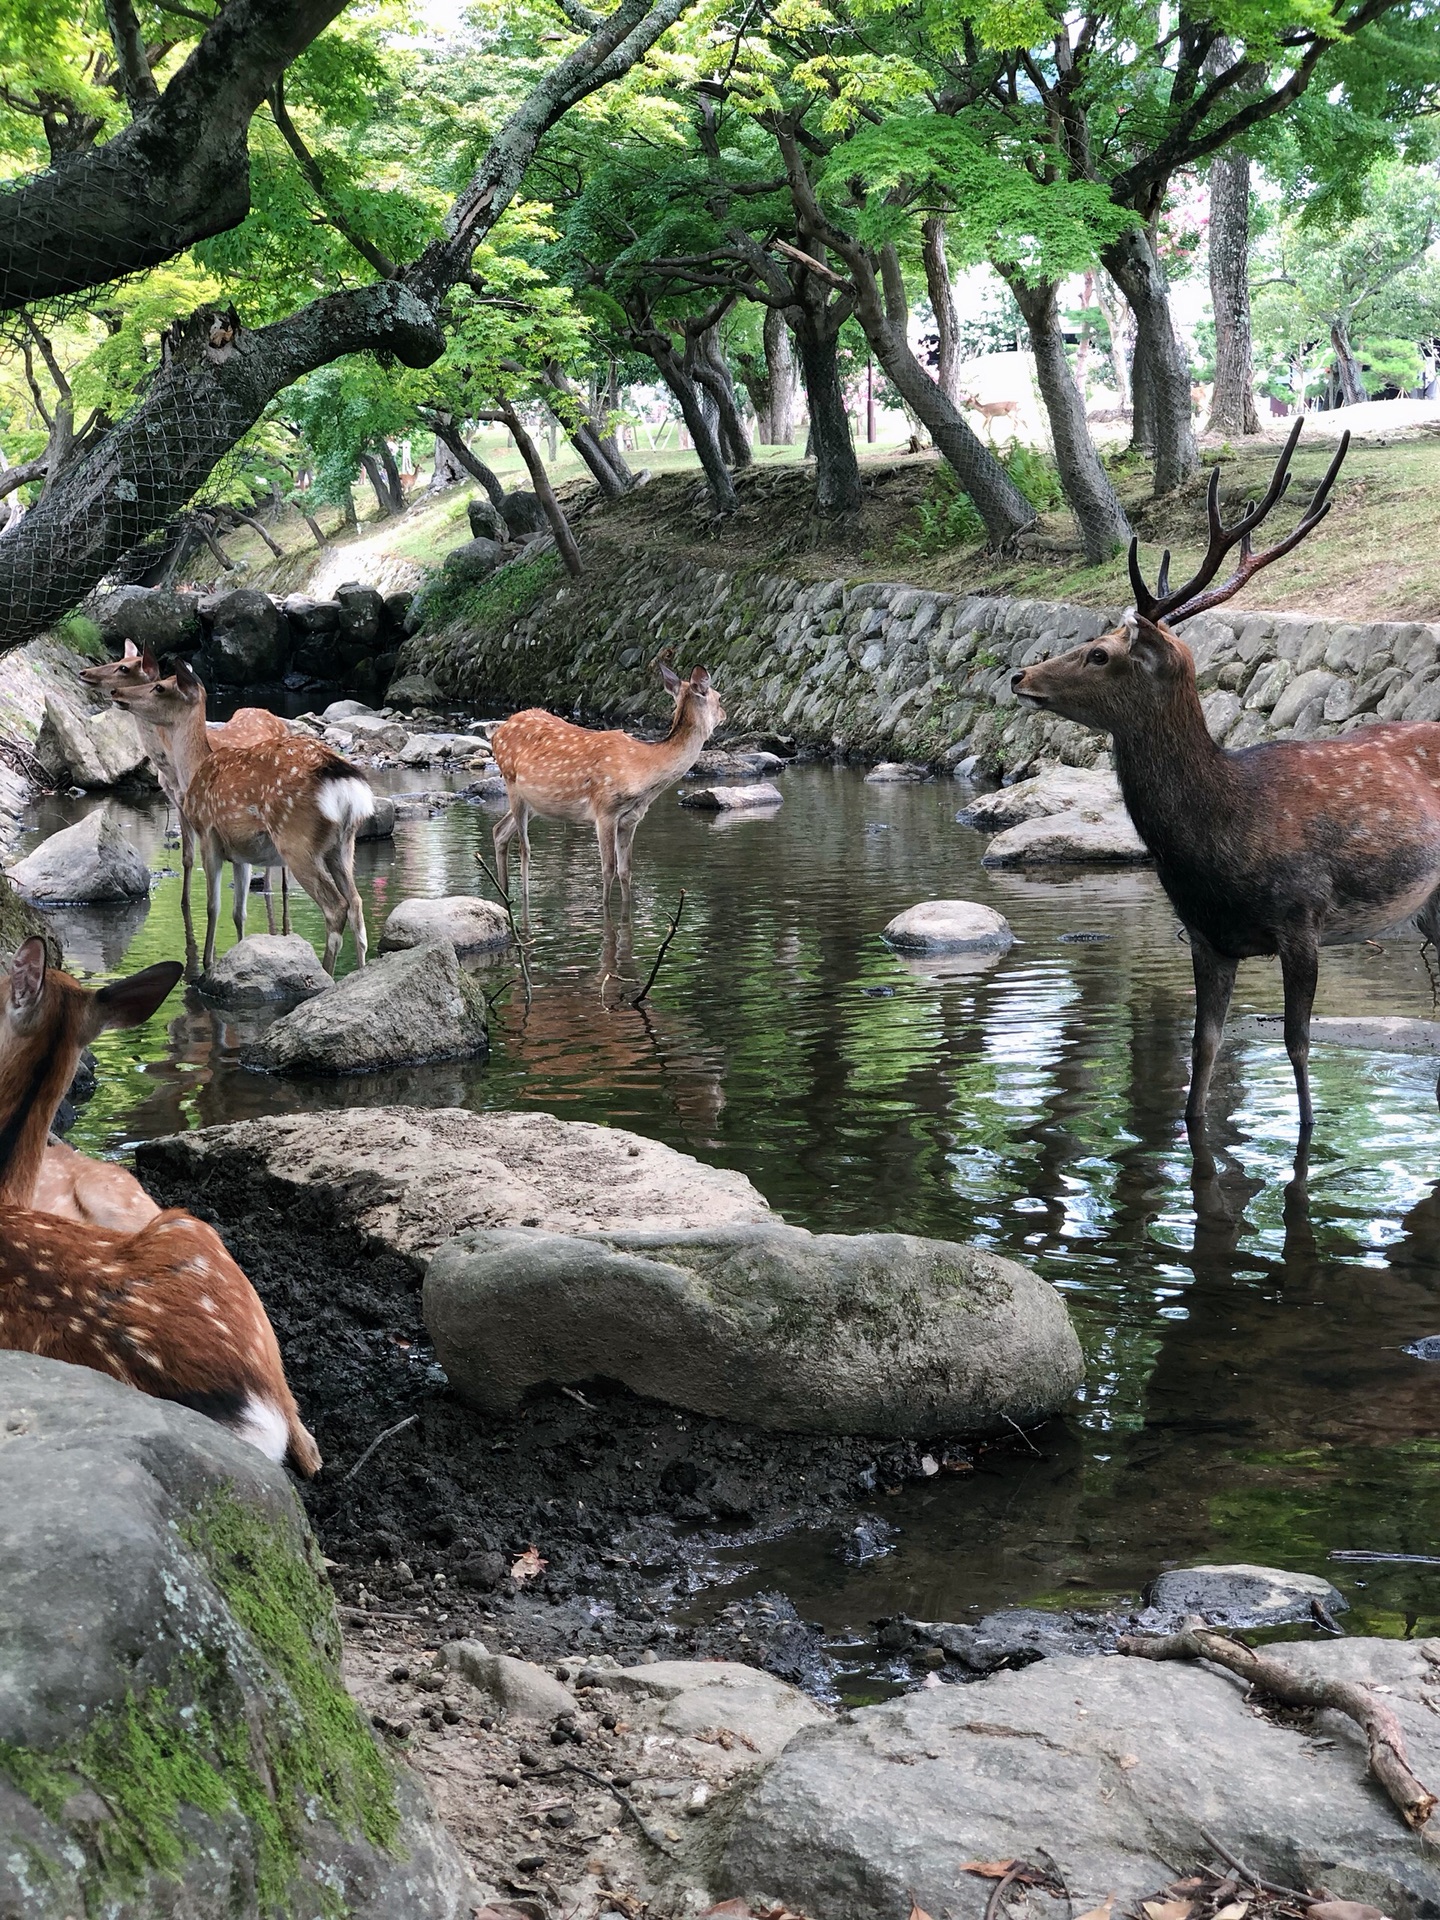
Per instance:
{"type": "Point", "coordinates": [1098, 657]}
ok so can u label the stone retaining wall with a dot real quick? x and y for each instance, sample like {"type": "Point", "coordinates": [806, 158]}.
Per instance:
{"type": "Point", "coordinates": [879, 669]}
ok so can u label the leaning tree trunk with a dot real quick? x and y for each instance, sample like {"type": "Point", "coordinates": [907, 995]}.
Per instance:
{"type": "Point", "coordinates": [1232, 404]}
{"type": "Point", "coordinates": [780, 363]}
{"type": "Point", "coordinates": [1094, 502]}
{"type": "Point", "coordinates": [942, 305]}
{"type": "Point", "coordinates": [465, 456]}
{"type": "Point", "coordinates": [389, 495]}
{"type": "Point", "coordinates": [709, 368]}
{"type": "Point", "coordinates": [1117, 324]}
{"type": "Point", "coordinates": [837, 471]}
{"type": "Point", "coordinates": [1347, 367]}
{"type": "Point", "coordinates": [544, 492]}
{"type": "Point", "coordinates": [999, 502]}
{"type": "Point", "coordinates": [697, 418]}
{"type": "Point", "coordinates": [1136, 270]}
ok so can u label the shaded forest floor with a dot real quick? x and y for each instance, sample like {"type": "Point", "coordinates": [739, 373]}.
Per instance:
{"type": "Point", "coordinates": [1377, 556]}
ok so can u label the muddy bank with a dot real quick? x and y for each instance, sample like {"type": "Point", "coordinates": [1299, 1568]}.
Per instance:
{"type": "Point", "coordinates": [625, 1501]}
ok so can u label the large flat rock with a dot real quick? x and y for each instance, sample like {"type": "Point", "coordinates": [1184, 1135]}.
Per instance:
{"type": "Point", "coordinates": [174, 1734]}
{"type": "Point", "coordinates": [405, 1009]}
{"type": "Point", "coordinates": [1114, 1769]}
{"type": "Point", "coordinates": [877, 1333]}
{"type": "Point", "coordinates": [1083, 836]}
{"type": "Point", "coordinates": [1057, 791]}
{"type": "Point", "coordinates": [413, 1177]}
{"type": "Point", "coordinates": [1375, 1033]}
{"type": "Point", "coordinates": [88, 863]}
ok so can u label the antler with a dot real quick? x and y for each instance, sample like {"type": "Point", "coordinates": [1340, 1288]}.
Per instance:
{"type": "Point", "coordinates": [1184, 602]}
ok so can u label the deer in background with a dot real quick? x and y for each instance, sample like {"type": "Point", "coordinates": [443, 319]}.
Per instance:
{"type": "Point", "coordinates": [606, 780]}
{"type": "Point", "coordinates": [164, 1309]}
{"type": "Point", "coordinates": [1277, 849]}
{"type": "Point", "coordinates": [992, 410]}
{"type": "Point", "coordinates": [246, 727]}
{"type": "Point", "coordinates": [293, 802]}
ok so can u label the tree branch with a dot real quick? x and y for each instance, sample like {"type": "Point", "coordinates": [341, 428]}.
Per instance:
{"type": "Point", "coordinates": [310, 167]}
{"type": "Point", "coordinates": [132, 63]}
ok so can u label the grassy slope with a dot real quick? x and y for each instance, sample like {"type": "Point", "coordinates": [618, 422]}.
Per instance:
{"type": "Point", "coordinates": [1375, 558]}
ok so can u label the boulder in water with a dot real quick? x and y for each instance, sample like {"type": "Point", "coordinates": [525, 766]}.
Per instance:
{"type": "Point", "coordinates": [249, 641]}
{"type": "Point", "coordinates": [401, 1011]}
{"type": "Point", "coordinates": [266, 969]}
{"type": "Point", "coordinates": [949, 926]}
{"type": "Point", "coordinates": [470, 924]}
{"type": "Point", "coordinates": [87, 863]}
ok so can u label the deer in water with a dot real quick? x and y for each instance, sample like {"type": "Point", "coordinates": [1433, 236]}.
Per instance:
{"type": "Point", "coordinates": [246, 727]}
{"type": "Point", "coordinates": [293, 802]}
{"type": "Point", "coordinates": [1277, 849]}
{"type": "Point", "coordinates": [164, 1309]}
{"type": "Point", "coordinates": [605, 780]}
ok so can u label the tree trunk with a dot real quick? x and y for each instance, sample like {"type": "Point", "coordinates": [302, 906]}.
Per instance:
{"type": "Point", "coordinates": [1347, 367]}
{"type": "Point", "coordinates": [780, 365]}
{"type": "Point", "coordinates": [544, 492]}
{"type": "Point", "coordinates": [384, 477]}
{"type": "Point", "coordinates": [1136, 270]}
{"type": "Point", "coordinates": [446, 430]}
{"type": "Point", "coordinates": [445, 470]}
{"type": "Point", "coordinates": [696, 417]}
{"type": "Point", "coordinates": [942, 305]}
{"type": "Point", "coordinates": [999, 502]}
{"type": "Point", "coordinates": [1232, 404]}
{"type": "Point", "coordinates": [837, 471]}
{"type": "Point", "coordinates": [1097, 509]}
{"type": "Point", "coordinates": [611, 475]}
{"type": "Point", "coordinates": [1118, 319]}
{"type": "Point", "coordinates": [588, 446]}
{"type": "Point", "coordinates": [709, 368]}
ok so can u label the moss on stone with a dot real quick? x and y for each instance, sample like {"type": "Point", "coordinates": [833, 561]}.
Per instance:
{"type": "Point", "coordinates": [19, 921]}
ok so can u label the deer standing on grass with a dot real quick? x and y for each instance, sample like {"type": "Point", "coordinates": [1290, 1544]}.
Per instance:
{"type": "Point", "coordinates": [246, 727]}
{"type": "Point", "coordinates": [164, 1309]}
{"type": "Point", "coordinates": [293, 802]}
{"type": "Point", "coordinates": [606, 780]}
{"type": "Point", "coordinates": [1278, 849]}
{"type": "Point", "coordinates": [992, 410]}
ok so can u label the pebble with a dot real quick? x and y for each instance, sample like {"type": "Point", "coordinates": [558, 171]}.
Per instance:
{"type": "Point", "coordinates": [511, 1780]}
{"type": "Point", "coordinates": [560, 1817]}
{"type": "Point", "coordinates": [528, 1757]}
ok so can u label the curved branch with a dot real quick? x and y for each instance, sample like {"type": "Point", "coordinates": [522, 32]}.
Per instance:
{"type": "Point", "coordinates": [310, 167]}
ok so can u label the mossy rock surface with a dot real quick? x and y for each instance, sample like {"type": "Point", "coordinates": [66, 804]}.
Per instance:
{"type": "Point", "coordinates": [19, 921]}
{"type": "Point", "coordinates": [174, 1732]}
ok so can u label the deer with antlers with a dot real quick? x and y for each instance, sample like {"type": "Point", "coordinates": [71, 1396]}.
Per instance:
{"type": "Point", "coordinates": [163, 1309]}
{"type": "Point", "coordinates": [246, 727]}
{"type": "Point", "coordinates": [606, 780]}
{"type": "Point", "coordinates": [1278, 849]}
{"type": "Point", "coordinates": [293, 802]}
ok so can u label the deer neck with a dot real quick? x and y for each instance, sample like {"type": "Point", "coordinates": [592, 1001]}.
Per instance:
{"type": "Point", "coordinates": [1179, 786]}
{"type": "Point", "coordinates": [189, 746]}
{"type": "Point", "coordinates": [673, 757]}
{"type": "Point", "coordinates": [35, 1074]}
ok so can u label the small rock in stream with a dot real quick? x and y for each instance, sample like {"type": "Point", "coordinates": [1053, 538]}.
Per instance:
{"type": "Point", "coordinates": [1426, 1349]}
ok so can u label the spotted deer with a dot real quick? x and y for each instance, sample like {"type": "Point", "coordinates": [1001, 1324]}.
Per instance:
{"type": "Point", "coordinates": [992, 410]}
{"type": "Point", "coordinates": [606, 780]}
{"type": "Point", "coordinates": [293, 802]}
{"type": "Point", "coordinates": [246, 727]}
{"type": "Point", "coordinates": [1282, 848]}
{"type": "Point", "coordinates": [163, 1309]}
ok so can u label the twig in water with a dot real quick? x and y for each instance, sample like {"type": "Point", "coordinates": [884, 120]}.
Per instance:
{"type": "Point", "coordinates": [1022, 1433]}
{"type": "Point", "coordinates": [1247, 1873]}
{"type": "Point", "coordinates": [644, 992]}
{"type": "Point", "coordinates": [491, 876]}
{"type": "Point", "coordinates": [1385, 1559]}
{"type": "Point", "coordinates": [379, 1441]}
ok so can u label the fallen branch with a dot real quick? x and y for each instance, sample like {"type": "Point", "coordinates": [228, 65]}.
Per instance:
{"type": "Point", "coordinates": [1385, 1559]}
{"type": "Point", "coordinates": [1389, 1761]}
{"type": "Point", "coordinates": [491, 876]}
{"type": "Point", "coordinates": [1248, 1873]}
{"type": "Point", "coordinates": [379, 1441]}
{"type": "Point", "coordinates": [644, 992]}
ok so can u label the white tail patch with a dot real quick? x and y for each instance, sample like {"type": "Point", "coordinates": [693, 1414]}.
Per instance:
{"type": "Point", "coordinates": [264, 1426]}
{"type": "Point", "coordinates": [346, 802]}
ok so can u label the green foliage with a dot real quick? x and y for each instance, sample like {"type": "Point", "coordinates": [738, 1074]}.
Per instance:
{"type": "Point", "coordinates": [947, 517]}
{"type": "Point", "coordinates": [489, 606]}
{"type": "Point", "coordinates": [82, 636]}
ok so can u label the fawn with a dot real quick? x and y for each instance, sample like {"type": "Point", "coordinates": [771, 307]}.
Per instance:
{"type": "Point", "coordinates": [246, 727]}
{"type": "Point", "coordinates": [293, 802]}
{"type": "Point", "coordinates": [164, 1309]}
{"type": "Point", "coordinates": [606, 780]}
{"type": "Point", "coordinates": [1277, 849]}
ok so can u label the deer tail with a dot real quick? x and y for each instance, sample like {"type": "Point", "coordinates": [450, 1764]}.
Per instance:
{"type": "Point", "coordinates": [342, 796]}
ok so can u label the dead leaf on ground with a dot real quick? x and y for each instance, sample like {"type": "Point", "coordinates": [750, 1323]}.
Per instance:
{"type": "Point", "coordinates": [1346, 1910]}
{"type": "Point", "coordinates": [917, 1912]}
{"type": "Point", "coordinates": [1236, 1910]}
{"type": "Point", "coordinates": [1103, 1911]}
{"type": "Point", "coordinates": [528, 1567]}
{"type": "Point", "coordinates": [991, 1869]}
{"type": "Point", "coordinates": [1167, 1909]}
{"type": "Point", "coordinates": [738, 1907]}
{"type": "Point", "coordinates": [1128, 1760]}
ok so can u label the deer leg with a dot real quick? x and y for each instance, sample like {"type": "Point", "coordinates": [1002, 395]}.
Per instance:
{"type": "Point", "coordinates": [240, 895]}
{"type": "Point", "coordinates": [318, 881]}
{"type": "Point", "coordinates": [1214, 983]}
{"type": "Point", "coordinates": [284, 899]}
{"type": "Point", "coordinates": [340, 865]}
{"type": "Point", "coordinates": [1300, 970]}
{"type": "Point", "coordinates": [268, 889]}
{"type": "Point", "coordinates": [187, 867]}
{"type": "Point", "coordinates": [214, 873]}
{"type": "Point", "coordinates": [502, 835]}
{"type": "Point", "coordinates": [522, 827]}
{"type": "Point", "coordinates": [625, 831]}
{"type": "Point", "coordinates": [605, 837]}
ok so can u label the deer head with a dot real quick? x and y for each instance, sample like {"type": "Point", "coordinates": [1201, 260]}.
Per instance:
{"type": "Point", "coordinates": [697, 704]}
{"type": "Point", "coordinates": [164, 703]}
{"type": "Point", "coordinates": [132, 669]}
{"type": "Point", "coordinates": [1134, 671]}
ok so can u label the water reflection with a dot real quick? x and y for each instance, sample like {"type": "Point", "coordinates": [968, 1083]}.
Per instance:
{"type": "Point", "coordinates": [1243, 1315]}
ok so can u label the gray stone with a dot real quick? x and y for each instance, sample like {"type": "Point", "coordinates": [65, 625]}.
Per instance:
{"type": "Point", "coordinates": [154, 617]}
{"type": "Point", "coordinates": [1222, 709]}
{"type": "Point", "coordinates": [699, 1697]}
{"type": "Point", "coordinates": [469, 923]}
{"type": "Point", "coordinates": [475, 560]}
{"type": "Point", "coordinates": [249, 639]}
{"type": "Point", "coordinates": [424, 749]}
{"type": "Point", "coordinates": [410, 1177]}
{"type": "Point", "coordinates": [401, 1011]}
{"type": "Point", "coordinates": [1100, 839]}
{"type": "Point", "coordinates": [265, 969]}
{"type": "Point", "coordinates": [360, 617]}
{"type": "Point", "coordinates": [308, 617]}
{"type": "Point", "coordinates": [1057, 791]}
{"type": "Point", "coordinates": [891, 773]}
{"type": "Point", "coordinates": [160, 1591]}
{"type": "Point", "coordinates": [771, 1325]}
{"type": "Point", "coordinates": [92, 750]}
{"type": "Point", "coordinates": [1268, 685]}
{"type": "Point", "coordinates": [414, 690]}
{"type": "Point", "coordinates": [381, 824]}
{"type": "Point", "coordinates": [519, 1689]}
{"type": "Point", "coordinates": [1108, 1768]}
{"type": "Point", "coordinates": [731, 799]}
{"type": "Point", "coordinates": [1238, 1596]}
{"type": "Point", "coordinates": [1305, 687]}
{"type": "Point", "coordinates": [949, 926]}
{"type": "Point", "coordinates": [486, 520]}
{"type": "Point", "coordinates": [339, 710]}
{"type": "Point", "coordinates": [87, 863]}
{"type": "Point", "coordinates": [523, 514]}
{"type": "Point", "coordinates": [1376, 1033]}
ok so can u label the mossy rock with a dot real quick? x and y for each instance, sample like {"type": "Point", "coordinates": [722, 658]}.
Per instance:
{"type": "Point", "coordinates": [19, 921]}
{"type": "Point", "coordinates": [174, 1732]}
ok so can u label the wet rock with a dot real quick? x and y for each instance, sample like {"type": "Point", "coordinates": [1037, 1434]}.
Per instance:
{"type": "Point", "coordinates": [711, 1696]}
{"type": "Point", "coordinates": [731, 799]}
{"type": "Point", "coordinates": [341, 710]}
{"type": "Point", "coordinates": [92, 750]}
{"type": "Point", "coordinates": [413, 690]}
{"type": "Point", "coordinates": [411, 1177]}
{"type": "Point", "coordinates": [1057, 791]}
{"type": "Point", "coordinates": [309, 617]}
{"type": "Point", "coordinates": [266, 969]}
{"type": "Point", "coordinates": [517, 1688]}
{"type": "Point", "coordinates": [1011, 1637]}
{"type": "Point", "coordinates": [249, 639]}
{"type": "Point", "coordinates": [424, 749]}
{"type": "Point", "coordinates": [1104, 838]}
{"type": "Point", "coordinates": [360, 618]}
{"type": "Point", "coordinates": [476, 560]}
{"type": "Point", "coordinates": [161, 1593]}
{"type": "Point", "coordinates": [892, 773]}
{"type": "Point", "coordinates": [1426, 1349]}
{"type": "Point", "coordinates": [403, 1010]}
{"type": "Point", "coordinates": [869, 1539]}
{"type": "Point", "coordinates": [770, 1325]}
{"type": "Point", "coordinates": [1376, 1033]}
{"type": "Point", "coordinates": [722, 765]}
{"type": "Point", "coordinates": [1237, 1596]}
{"type": "Point", "coordinates": [1105, 1767]}
{"type": "Point", "coordinates": [523, 514]}
{"type": "Point", "coordinates": [469, 923]}
{"type": "Point", "coordinates": [949, 926]}
{"type": "Point", "coordinates": [87, 863]}
{"type": "Point", "coordinates": [381, 824]}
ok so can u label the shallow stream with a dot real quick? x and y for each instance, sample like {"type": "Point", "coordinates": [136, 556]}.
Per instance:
{"type": "Point", "coordinates": [1248, 1396]}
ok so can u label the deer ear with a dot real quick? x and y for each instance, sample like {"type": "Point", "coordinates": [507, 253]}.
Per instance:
{"type": "Point", "coordinates": [132, 652]}
{"type": "Point", "coordinates": [700, 679]}
{"type": "Point", "coordinates": [149, 664]}
{"type": "Point", "coordinates": [1149, 647]}
{"type": "Point", "coordinates": [27, 974]}
{"type": "Point", "coordinates": [131, 1001]}
{"type": "Point", "coordinates": [186, 679]}
{"type": "Point", "coordinates": [670, 677]}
